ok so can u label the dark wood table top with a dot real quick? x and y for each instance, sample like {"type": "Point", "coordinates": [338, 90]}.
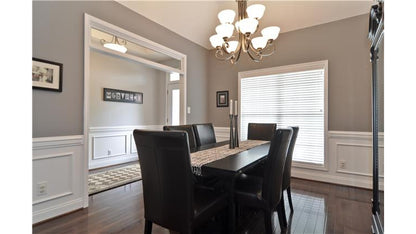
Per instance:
{"type": "Point", "coordinates": [235, 163]}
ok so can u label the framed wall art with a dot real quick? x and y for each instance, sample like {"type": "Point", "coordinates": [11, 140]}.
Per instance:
{"type": "Point", "coordinates": [222, 98]}
{"type": "Point", "coordinates": [117, 95]}
{"type": "Point", "coordinates": [46, 75]}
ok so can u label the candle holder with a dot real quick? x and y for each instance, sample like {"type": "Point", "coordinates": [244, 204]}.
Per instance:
{"type": "Point", "coordinates": [236, 140]}
{"type": "Point", "coordinates": [231, 133]}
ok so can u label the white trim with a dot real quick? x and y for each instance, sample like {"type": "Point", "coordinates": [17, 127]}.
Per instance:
{"type": "Point", "coordinates": [57, 142]}
{"type": "Point", "coordinates": [89, 22]}
{"type": "Point", "coordinates": [222, 133]}
{"type": "Point", "coordinates": [56, 210]}
{"type": "Point", "coordinates": [323, 64]}
{"type": "Point", "coordinates": [48, 156]}
{"type": "Point", "coordinates": [52, 198]}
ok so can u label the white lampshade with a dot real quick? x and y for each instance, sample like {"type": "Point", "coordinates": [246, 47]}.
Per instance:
{"type": "Point", "coordinates": [226, 16]}
{"type": "Point", "coordinates": [247, 25]}
{"type": "Point", "coordinates": [216, 40]}
{"type": "Point", "coordinates": [259, 42]}
{"type": "Point", "coordinates": [255, 11]}
{"type": "Point", "coordinates": [116, 47]}
{"type": "Point", "coordinates": [270, 32]}
{"type": "Point", "coordinates": [225, 30]}
{"type": "Point", "coordinates": [232, 46]}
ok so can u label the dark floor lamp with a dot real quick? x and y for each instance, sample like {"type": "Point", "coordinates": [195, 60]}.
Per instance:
{"type": "Point", "coordinates": [375, 34]}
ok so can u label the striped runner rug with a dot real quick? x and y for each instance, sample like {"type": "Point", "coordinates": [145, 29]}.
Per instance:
{"type": "Point", "coordinates": [102, 181]}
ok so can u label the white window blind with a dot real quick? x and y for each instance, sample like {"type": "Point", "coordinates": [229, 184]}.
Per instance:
{"type": "Point", "coordinates": [288, 99]}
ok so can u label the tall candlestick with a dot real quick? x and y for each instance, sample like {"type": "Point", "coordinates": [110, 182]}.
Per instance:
{"type": "Point", "coordinates": [236, 109]}
{"type": "Point", "coordinates": [231, 106]}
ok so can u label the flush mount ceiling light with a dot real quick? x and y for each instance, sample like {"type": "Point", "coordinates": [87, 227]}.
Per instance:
{"type": "Point", "coordinates": [115, 44]}
{"type": "Point", "coordinates": [229, 47]}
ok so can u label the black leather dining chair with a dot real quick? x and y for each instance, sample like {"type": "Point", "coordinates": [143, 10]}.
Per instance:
{"type": "Point", "coordinates": [188, 128]}
{"type": "Point", "coordinates": [204, 134]}
{"type": "Point", "coordinates": [266, 192]}
{"type": "Point", "coordinates": [288, 167]}
{"type": "Point", "coordinates": [171, 199]}
{"type": "Point", "coordinates": [261, 131]}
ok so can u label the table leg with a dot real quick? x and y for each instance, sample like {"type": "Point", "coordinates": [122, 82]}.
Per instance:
{"type": "Point", "coordinates": [231, 204]}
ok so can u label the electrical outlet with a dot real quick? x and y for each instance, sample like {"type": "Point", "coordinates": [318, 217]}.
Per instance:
{"type": "Point", "coordinates": [342, 164]}
{"type": "Point", "coordinates": [42, 188]}
{"type": "Point", "coordinates": [109, 152]}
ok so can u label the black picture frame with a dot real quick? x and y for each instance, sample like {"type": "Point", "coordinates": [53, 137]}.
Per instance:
{"type": "Point", "coordinates": [46, 75]}
{"type": "Point", "coordinates": [125, 96]}
{"type": "Point", "coordinates": [222, 98]}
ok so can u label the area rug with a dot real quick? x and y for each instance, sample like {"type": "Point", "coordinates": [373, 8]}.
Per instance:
{"type": "Point", "coordinates": [102, 181]}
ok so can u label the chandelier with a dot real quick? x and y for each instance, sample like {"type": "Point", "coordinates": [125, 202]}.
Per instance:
{"type": "Point", "coordinates": [229, 47]}
{"type": "Point", "coordinates": [116, 44]}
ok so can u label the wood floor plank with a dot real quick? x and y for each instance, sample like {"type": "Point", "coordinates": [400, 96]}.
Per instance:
{"type": "Point", "coordinates": [318, 208]}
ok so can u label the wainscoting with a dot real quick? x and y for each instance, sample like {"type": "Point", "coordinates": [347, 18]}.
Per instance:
{"type": "Point", "coordinates": [113, 145]}
{"type": "Point", "coordinates": [57, 181]}
{"type": "Point", "coordinates": [349, 159]}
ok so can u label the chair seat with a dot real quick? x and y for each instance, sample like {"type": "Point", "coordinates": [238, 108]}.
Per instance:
{"type": "Point", "coordinates": [207, 202]}
{"type": "Point", "coordinates": [248, 190]}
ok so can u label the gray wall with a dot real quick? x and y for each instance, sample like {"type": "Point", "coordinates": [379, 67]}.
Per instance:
{"type": "Point", "coordinates": [58, 36]}
{"type": "Point", "coordinates": [107, 71]}
{"type": "Point", "coordinates": [343, 43]}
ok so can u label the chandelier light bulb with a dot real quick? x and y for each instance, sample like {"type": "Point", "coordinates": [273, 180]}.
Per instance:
{"type": "Point", "coordinates": [255, 11]}
{"type": "Point", "coordinates": [248, 25]}
{"type": "Point", "coordinates": [226, 16]}
{"type": "Point", "coordinates": [232, 46]}
{"type": "Point", "coordinates": [259, 42]}
{"type": "Point", "coordinates": [216, 40]}
{"type": "Point", "coordinates": [270, 32]}
{"type": "Point", "coordinates": [225, 30]}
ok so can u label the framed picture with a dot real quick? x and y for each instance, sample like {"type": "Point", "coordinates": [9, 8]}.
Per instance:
{"type": "Point", "coordinates": [46, 75]}
{"type": "Point", "coordinates": [222, 98]}
{"type": "Point", "coordinates": [117, 95]}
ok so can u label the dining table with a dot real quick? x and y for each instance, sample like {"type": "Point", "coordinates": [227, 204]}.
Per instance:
{"type": "Point", "coordinates": [227, 164]}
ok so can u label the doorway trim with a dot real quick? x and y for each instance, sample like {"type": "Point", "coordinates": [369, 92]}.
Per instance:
{"type": "Point", "coordinates": [93, 22]}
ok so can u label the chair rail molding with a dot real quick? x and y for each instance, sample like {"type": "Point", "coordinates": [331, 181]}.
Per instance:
{"type": "Point", "coordinates": [57, 182]}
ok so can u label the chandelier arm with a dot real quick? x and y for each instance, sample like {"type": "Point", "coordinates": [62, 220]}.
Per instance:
{"type": "Point", "coordinates": [260, 57]}
{"type": "Point", "coordinates": [269, 45]}
{"type": "Point", "coordinates": [219, 54]}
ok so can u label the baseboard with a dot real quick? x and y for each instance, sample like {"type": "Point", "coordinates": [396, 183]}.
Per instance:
{"type": "Point", "coordinates": [54, 211]}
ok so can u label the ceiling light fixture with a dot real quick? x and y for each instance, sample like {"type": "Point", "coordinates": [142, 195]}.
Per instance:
{"type": "Point", "coordinates": [115, 44]}
{"type": "Point", "coordinates": [229, 49]}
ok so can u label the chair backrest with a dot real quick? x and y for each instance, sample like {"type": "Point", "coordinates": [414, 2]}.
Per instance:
{"type": "Point", "coordinates": [288, 165]}
{"type": "Point", "coordinates": [204, 134]}
{"type": "Point", "coordinates": [274, 166]}
{"type": "Point", "coordinates": [188, 128]}
{"type": "Point", "coordinates": [167, 178]}
{"type": "Point", "coordinates": [261, 131]}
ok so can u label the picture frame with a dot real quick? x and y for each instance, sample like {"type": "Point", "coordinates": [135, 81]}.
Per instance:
{"type": "Point", "coordinates": [46, 75]}
{"type": "Point", "coordinates": [222, 98]}
{"type": "Point", "coordinates": [125, 96]}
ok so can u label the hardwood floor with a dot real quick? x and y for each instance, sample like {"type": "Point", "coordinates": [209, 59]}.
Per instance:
{"type": "Point", "coordinates": [319, 208]}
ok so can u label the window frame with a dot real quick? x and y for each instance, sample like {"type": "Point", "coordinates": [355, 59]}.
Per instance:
{"type": "Point", "coordinates": [323, 64]}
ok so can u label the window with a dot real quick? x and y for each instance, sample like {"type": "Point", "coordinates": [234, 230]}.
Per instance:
{"type": "Point", "coordinates": [289, 96]}
{"type": "Point", "coordinates": [174, 76]}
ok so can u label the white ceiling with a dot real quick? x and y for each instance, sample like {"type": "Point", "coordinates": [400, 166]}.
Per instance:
{"type": "Point", "coordinates": [196, 20]}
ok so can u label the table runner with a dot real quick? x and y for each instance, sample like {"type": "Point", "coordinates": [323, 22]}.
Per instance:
{"type": "Point", "coordinates": [200, 158]}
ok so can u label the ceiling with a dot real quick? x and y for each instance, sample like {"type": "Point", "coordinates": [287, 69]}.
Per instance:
{"type": "Point", "coordinates": [196, 20]}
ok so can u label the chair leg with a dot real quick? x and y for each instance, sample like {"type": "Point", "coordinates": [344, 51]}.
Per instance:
{"type": "Point", "coordinates": [268, 221]}
{"type": "Point", "coordinates": [289, 197]}
{"type": "Point", "coordinates": [282, 215]}
{"type": "Point", "coordinates": [148, 227]}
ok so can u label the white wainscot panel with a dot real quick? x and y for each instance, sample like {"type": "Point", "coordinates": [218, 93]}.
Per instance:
{"type": "Point", "coordinates": [222, 133]}
{"type": "Point", "coordinates": [58, 176]}
{"type": "Point", "coordinates": [113, 145]}
{"type": "Point", "coordinates": [55, 170]}
{"type": "Point", "coordinates": [109, 146]}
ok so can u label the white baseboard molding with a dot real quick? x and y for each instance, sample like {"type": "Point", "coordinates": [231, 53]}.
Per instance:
{"type": "Point", "coordinates": [126, 159]}
{"type": "Point", "coordinates": [59, 209]}
{"type": "Point", "coordinates": [363, 182]}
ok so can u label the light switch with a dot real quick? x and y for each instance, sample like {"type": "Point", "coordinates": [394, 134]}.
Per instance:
{"type": "Point", "coordinates": [189, 109]}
